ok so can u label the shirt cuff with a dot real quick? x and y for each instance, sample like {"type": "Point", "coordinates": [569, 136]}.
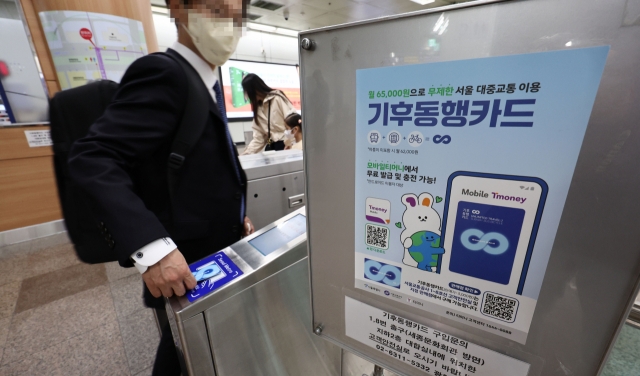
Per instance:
{"type": "Point", "coordinates": [151, 253]}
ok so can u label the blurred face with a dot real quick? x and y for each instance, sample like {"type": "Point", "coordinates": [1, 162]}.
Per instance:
{"type": "Point", "coordinates": [214, 27]}
{"type": "Point", "coordinates": [208, 8]}
{"type": "Point", "coordinates": [292, 131]}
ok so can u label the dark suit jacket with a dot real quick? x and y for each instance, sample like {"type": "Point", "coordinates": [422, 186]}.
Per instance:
{"type": "Point", "coordinates": [122, 164]}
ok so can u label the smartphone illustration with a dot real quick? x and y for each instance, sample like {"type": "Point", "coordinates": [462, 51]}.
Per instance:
{"type": "Point", "coordinates": [237, 93]}
{"type": "Point", "coordinates": [490, 225]}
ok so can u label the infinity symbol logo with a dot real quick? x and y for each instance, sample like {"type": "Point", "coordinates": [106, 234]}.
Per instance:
{"type": "Point", "coordinates": [492, 242]}
{"type": "Point", "coordinates": [379, 272]}
{"type": "Point", "coordinates": [441, 139]}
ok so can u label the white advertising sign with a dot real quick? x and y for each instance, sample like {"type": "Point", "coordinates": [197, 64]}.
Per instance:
{"type": "Point", "coordinates": [425, 348]}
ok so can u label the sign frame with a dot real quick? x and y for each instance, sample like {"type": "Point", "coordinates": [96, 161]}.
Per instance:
{"type": "Point", "coordinates": [582, 291]}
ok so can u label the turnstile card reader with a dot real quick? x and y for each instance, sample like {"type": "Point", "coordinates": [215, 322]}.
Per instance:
{"type": "Point", "coordinates": [275, 185]}
{"type": "Point", "coordinates": [250, 313]}
{"type": "Point", "coordinates": [212, 273]}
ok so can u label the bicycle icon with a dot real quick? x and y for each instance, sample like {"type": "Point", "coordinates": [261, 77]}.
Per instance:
{"type": "Point", "coordinates": [415, 139]}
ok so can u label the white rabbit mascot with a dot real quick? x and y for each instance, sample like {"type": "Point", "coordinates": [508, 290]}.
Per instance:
{"type": "Point", "coordinates": [421, 235]}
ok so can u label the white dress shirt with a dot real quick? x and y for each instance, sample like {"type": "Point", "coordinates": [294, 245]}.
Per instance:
{"type": "Point", "coordinates": [155, 251]}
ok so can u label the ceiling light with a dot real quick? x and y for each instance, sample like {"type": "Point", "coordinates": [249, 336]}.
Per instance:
{"type": "Point", "coordinates": [266, 5]}
{"type": "Point", "coordinates": [272, 29]}
{"type": "Point", "coordinates": [287, 32]}
{"type": "Point", "coordinates": [569, 44]}
{"type": "Point", "coordinates": [424, 2]}
{"type": "Point", "coordinates": [439, 22]}
{"type": "Point", "coordinates": [260, 27]}
{"type": "Point", "coordinates": [444, 27]}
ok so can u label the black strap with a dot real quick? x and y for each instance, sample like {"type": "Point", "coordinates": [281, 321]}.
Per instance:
{"type": "Point", "coordinates": [269, 124]}
{"type": "Point", "coordinates": [192, 124]}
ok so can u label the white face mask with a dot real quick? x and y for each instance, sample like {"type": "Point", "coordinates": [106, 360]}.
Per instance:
{"type": "Point", "coordinates": [215, 38]}
{"type": "Point", "coordinates": [288, 135]}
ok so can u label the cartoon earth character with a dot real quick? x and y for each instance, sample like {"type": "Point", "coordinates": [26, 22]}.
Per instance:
{"type": "Point", "coordinates": [425, 249]}
{"type": "Point", "coordinates": [420, 218]}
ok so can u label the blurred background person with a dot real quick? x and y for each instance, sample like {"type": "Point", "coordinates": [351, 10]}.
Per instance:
{"type": "Point", "coordinates": [293, 132]}
{"type": "Point", "coordinates": [269, 107]}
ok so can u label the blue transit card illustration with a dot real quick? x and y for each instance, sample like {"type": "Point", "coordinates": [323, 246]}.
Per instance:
{"type": "Point", "coordinates": [211, 273]}
{"type": "Point", "coordinates": [485, 241]}
{"type": "Point", "coordinates": [208, 272]}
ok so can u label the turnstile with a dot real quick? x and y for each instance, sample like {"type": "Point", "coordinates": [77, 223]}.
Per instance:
{"type": "Point", "coordinates": [251, 313]}
{"type": "Point", "coordinates": [275, 185]}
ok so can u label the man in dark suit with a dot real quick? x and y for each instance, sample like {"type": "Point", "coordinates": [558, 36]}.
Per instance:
{"type": "Point", "coordinates": [122, 162]}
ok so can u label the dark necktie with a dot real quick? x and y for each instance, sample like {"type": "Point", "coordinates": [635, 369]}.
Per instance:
{"type": "Point", "coordinates": [231, 146]}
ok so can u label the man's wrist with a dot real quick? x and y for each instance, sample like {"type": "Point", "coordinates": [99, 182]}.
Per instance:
{"type": "Point", "coordinates": [152, 253]}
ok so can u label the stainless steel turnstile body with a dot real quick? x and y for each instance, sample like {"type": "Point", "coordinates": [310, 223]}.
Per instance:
{"type": "Point", "coordinates": [257, 324]}
{"type": "Point", "coordinates": [275, 185]}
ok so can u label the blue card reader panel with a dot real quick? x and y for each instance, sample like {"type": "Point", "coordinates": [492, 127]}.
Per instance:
{"type": "Point", "coordinates": [212, 273]}
{"type": "Point", "coordinates": [207, 272]}
{"type": "Point", "coordinates": [280, 235]}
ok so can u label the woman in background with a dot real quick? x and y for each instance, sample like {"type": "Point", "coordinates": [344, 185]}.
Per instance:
{"type": "Point", "coordinates": [293, 132]}
{"type": "Point", "coordinates": [269, 108]}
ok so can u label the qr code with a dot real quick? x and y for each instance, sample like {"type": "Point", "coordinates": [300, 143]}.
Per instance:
{"type": "Point", "coordinates": [499, 306]}
{"type": "Point", "coordinates": [377, 236]}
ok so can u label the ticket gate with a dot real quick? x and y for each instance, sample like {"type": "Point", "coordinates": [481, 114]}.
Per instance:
{"type": "Point", "coordinates": [275, 185]}
{"type": "Point", "coordinates": [252, 324]}
{"type": "Point", "coordinates": [251, 312]}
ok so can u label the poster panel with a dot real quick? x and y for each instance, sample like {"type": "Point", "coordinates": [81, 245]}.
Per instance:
{"type": "Point", "coordinates": [462, 172]}
{"type": "Point", "coordinates": [88, 46]}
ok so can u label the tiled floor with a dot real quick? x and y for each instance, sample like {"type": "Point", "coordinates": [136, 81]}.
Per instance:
{"type": "Point", "coordinates": [625, 356]}
{"type": "Point", "coordinates": [59, 316]}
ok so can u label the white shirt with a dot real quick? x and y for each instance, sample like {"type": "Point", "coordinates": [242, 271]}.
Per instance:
{"type": "Point", "coordinates": [155, 251]}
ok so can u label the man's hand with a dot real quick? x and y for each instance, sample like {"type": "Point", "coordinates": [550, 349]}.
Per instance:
{"type": "Point", "coordinates": [169, 276]}
{"type": "Point", "coordinates": [248, 228]}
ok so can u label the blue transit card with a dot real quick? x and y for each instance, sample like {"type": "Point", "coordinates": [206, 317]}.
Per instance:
{"type": "Point", "coordinates": [212, 273]}
{"type": "Point", "coordinates": [485, 241]}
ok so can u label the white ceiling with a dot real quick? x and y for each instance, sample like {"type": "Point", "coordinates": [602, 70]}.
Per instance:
{"type": "Point", "coordinates": [310, 14]}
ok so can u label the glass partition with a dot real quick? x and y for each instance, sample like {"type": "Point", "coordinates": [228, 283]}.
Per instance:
{"type": "Point", "coordinates": [23, 94]}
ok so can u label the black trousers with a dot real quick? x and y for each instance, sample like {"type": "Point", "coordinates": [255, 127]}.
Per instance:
{"type": "Point", "coordinates": [167, 362]}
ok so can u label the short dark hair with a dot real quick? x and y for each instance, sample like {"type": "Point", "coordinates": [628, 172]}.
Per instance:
{"type": "Point", "coordinates": [293, 120]}
{"type": "Point", "coordinates": [183, 1]}
{"type": "Point", "coordinates": [244, 4]}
